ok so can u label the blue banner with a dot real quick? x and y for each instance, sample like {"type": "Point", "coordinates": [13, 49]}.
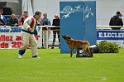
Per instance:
{"type": "Point", "coordinates": [110, 34]}
{"type": "Point", "coordinates": [78, 20]}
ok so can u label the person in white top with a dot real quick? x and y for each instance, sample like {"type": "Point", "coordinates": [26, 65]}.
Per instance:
{"type": "Point", "coordinates": [28, 32]}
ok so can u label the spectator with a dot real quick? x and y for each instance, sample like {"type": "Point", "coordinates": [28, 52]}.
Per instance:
{"type": "Point", "coordinates": [39, 21]}
{"type": "Point", "coordinates": [56, 22]}
{"type": "Point", "coordinates": [46, 22]}
{"type": "Point", "coordinates": [116, 21]}
{"type": "Point", "coordinates": [13, 21]}
{"type": "Point", "coordinates": [3, 20]}
{"type": "Point", "coordinates": [22, 18]}
{"type": "Point", "coordinates": [19, 22]}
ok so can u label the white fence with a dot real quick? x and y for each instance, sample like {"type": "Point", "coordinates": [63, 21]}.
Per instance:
{"type": "Point", "coordinates": [107, 27]}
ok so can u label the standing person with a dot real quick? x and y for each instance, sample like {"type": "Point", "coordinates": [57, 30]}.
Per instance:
{"type": "Point", "coordinates": [28, 29]}
{"type": "Point", "coordinates": [22, 18]}
{"type": "Point", "coordinates": [116, 21]}
{"type": "Point", "coordinates": [56, 22]}
{"type": "Point", "coordinates": [45, 20]}
{"type": "Point", "coordinates": [46, 23]}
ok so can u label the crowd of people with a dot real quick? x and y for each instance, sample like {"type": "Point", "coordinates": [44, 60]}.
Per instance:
{"type": "Point", "coordinates": [14, 21]}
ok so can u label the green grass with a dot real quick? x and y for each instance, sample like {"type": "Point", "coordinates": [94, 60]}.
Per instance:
{"type": "Point", "coordinates": [56, 67]}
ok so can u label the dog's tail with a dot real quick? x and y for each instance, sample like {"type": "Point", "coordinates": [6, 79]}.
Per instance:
{"type": "Point", "coordinates": [89, 50]}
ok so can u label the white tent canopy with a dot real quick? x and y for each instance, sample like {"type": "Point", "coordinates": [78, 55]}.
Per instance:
{"type": "Point", "coordinates": [26, 6]}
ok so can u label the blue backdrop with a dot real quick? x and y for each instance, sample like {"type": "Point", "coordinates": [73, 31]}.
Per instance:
{"type": "Point", "coordinates": [78, 20]}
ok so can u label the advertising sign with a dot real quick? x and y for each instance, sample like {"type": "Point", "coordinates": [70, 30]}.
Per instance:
{"type": "Point", "coordinates": [112, 36]}
{"type": "Point", "coordinates": [10, 37]}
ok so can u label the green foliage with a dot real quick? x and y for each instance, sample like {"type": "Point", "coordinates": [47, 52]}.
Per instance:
{"type": "Point", "coordinates": [108, 47]}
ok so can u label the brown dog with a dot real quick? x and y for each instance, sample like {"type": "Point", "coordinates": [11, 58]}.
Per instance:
{"type": "Point", "coordinates": [77, 44]}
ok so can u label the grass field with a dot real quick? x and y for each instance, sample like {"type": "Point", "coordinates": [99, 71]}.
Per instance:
{"type": "Point", "coordinates": [56, 67]}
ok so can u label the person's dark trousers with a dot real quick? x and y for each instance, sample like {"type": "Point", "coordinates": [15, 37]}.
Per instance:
{"type": "Point", "coordinates": [54, 37]}
{"type": "Point", "coordinates": [42, 42]}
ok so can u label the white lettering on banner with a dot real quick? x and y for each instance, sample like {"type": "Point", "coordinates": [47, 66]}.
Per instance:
{"type": "Point", "coordinates": [110, 35]}
{"type": "Point", "coordinates": [100, 34]}
{"type": "Point", "coordinates": [104, 35]}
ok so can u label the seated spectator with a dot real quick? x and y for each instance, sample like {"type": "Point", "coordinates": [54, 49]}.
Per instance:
{"type": "Point", "coordinates": [116, 21]}
{"type": "Point", "coordinates": [22, 18]}
{"type": "Point", "coordinates": [13, 21]}
{"type": "Point", "coordinates": [56, 22]}
{"type": "Point", "coordinates": [3, 20]}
